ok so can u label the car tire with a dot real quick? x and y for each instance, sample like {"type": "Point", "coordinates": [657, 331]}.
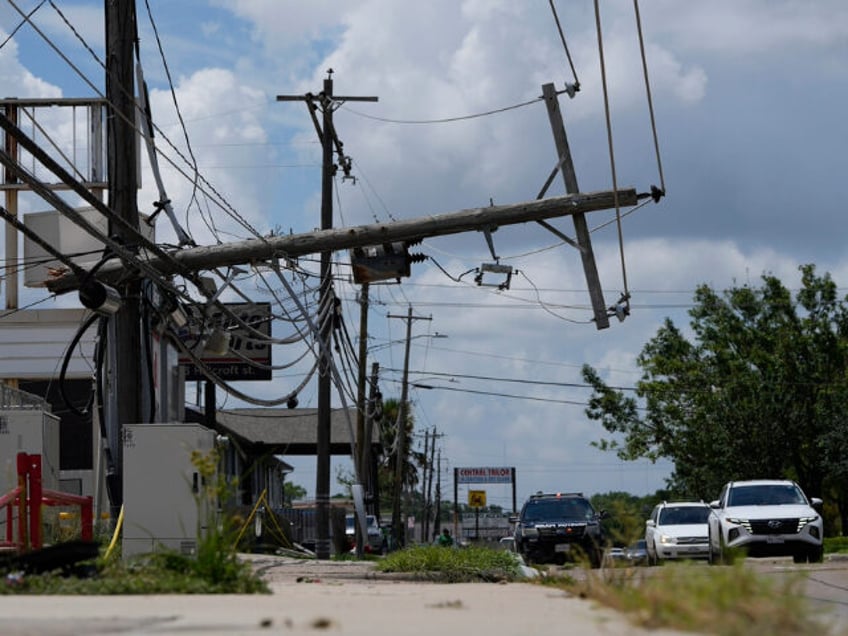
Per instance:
{"type": "Point", "coordinates": [800, 557]}
{"type": "Point", "coordinates": [817, 554]}
{"type": "Point", "coordinates": [724, 555]}
{"type": "Point", "coordinates": [652, 559]}
{"type": "Point", "coordinates": [713, 558]}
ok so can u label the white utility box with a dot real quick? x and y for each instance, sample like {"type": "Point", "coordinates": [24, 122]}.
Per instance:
{"type": "Point", "coordinates": [165, 500]}
{"type": "Point", "coordinates": [30, 431]}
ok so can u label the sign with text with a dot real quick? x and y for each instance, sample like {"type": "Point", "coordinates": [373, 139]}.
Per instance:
{"type": "Point", "coordinates": [476, 498]}
{"type": "Point", "coordinates": [484, 475]}
{"type": "Point", "coordinates": [249, 354]}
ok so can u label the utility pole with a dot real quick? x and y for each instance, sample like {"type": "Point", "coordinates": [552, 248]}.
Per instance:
{"type": "Point", "coordinates": [295, 245]}
{"type": "Point", "coordinates": [124, 405]}
{"type": "Point", "coordinates": [437, 524]}
{"type": "Point", "coordinates": [424, 500]}
{"type": "Point", "coordinates": [362, 442]}
{"type": "Point", "coordinates": [429, 497]}
{"type": "Point", "coordinates": [400, 432]}
{"type": "Point", "coordinates": [327, 103]}
{"type": "Point", "coordinates": [372, 483]}
{"type": "Point", "coordinates": [581, 229]}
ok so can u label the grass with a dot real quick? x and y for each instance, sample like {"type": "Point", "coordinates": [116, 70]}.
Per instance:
{"type": "Point", "coordinates": [726, 601]}
{"type": "Point", "coordinates": [836, 545]}
{"type": "Point", "coordinates": [214, 569]}
{"type": "Point", "coordinates": [449, 565]}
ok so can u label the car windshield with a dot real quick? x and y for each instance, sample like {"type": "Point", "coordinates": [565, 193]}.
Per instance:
{"type": "Point", "coordinates": [765, 495]}
{"type": "Point", "coordinates": [568, 508]}
{"type": "Point", "coordinates": [683, 515]}
{"type": "Point", "coordinates": [370, 521]}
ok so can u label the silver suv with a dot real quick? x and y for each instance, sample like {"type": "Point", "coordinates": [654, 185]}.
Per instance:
{"type": "Point", "coordinates": [677, 530]}
{"type": "Point", "coordinates": [765, 517]}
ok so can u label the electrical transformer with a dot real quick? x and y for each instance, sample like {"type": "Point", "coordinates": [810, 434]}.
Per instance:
{"type": "Point", "coordinates": [167, 501]}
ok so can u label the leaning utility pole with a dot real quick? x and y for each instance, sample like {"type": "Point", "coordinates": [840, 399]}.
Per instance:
{"type": "Point", "coordinates": [124, 405]}
{"type": "Point", "coordinates": [295, 245]}
{"type": "Point", "coordinates": [400, 433]}
{"type": "Point", "coordinates": [327, 103]}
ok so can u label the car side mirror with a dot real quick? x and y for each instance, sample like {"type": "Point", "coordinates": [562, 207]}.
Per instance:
{"type": "Point", "coordinates": [715, 504]}
{"type": "Point", "coordinates": [603, 514]}
{"type": "Point", "coordinates": [817, 504]}
{"type": "Point", "coordinates": [650, 523]}
{"type": "Point", "coordinates": [513, 518]}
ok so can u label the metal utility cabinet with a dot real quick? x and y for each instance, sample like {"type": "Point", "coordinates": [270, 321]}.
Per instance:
{"type": "Point", "coordinates": [165, 505]}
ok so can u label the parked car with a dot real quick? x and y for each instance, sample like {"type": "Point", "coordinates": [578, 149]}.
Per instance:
{"type": "Point", "coordinates": [615, 556]}
{"type": "Point", "coordinates": [637, 553]}
{"type": "Point", "coordinates": [554, 527]}
{"type": "Point", "coordinates": [677, 530]}
{"type": "Point", "coordinates": [765, 517]}
{"type": "Point", "coordinates": [507, 543]}
{"type": "Point", "coordinates": [376, 543]}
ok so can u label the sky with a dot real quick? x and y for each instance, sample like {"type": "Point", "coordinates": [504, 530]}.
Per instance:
{"type": "Point", "coordinates": [748, 105]}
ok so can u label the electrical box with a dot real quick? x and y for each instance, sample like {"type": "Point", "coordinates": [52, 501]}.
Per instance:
{"type": "Point", "coordinates": [166, 504]}
{"type": "Point", "coordinates": [30, 431]}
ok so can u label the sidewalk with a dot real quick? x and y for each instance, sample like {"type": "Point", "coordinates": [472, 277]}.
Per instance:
{"type": "Point", "coordinates": [344, 597]}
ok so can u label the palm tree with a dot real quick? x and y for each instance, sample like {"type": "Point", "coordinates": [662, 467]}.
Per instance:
{"type": "Point", "coordinates": [411, 460]}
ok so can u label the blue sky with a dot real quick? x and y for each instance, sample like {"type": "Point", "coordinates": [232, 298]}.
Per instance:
{"type": "Point", "coordinates": [748, 99]}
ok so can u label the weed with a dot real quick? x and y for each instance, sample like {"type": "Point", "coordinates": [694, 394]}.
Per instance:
{"type": "Point", "coordinates": [449, 565]}
{"type": "Point", "coordinates": [727, 601]}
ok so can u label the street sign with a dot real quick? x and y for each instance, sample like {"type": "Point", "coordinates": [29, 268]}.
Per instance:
{"type": "Point", "coordinates": [476, 498]}
{"type": "Point", "coordinates": [248, 356]}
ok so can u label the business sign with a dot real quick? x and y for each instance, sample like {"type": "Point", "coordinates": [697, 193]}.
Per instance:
{"type": "Point", "coordinates": [249, 354]}
{"type": "Point", "coordinates": [485, 475]}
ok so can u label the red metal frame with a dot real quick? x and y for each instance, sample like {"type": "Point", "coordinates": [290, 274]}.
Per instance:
{"type": "Point", "coordinates": [29, 496]}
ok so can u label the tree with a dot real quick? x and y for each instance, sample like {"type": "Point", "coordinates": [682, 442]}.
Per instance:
{"type": "Point", "coordinates": [411, 460]}
{"type": "Point", "coordinates": [760, 391]}
{"type": "Point", "coordinates": [293, 492]}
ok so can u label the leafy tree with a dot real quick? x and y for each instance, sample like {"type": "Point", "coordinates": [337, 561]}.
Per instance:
{"type": "Point", "coordinates": [292, 492]}
{"type": "Point", "coordinates": [625, 522]}
{"type": "Point", "coordinates": [760, 391]}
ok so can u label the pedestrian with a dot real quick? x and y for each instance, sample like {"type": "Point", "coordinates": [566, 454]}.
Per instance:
{"type": "Point", "coordinates": [445, 539]}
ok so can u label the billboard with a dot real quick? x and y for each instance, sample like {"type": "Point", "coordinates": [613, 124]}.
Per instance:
{"type": "Point", "coordinates": [248, 356]}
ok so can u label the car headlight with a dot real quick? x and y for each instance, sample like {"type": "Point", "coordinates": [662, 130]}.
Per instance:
{"type": "Point", "coordinates": [531, 532]}
{"type": "Point", "coordinates": [667, 540]}
{"type": "Point", "coordinates": [745, 523]}
{"type": "Point", "coordinates": [803, 521]}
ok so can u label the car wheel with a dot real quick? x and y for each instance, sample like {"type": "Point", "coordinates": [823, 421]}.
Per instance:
{"type": "Point", "coordinates": [652, 558]}
{"type": "Point", "coordinates": [725, 557]}
{"type": "Point", "coordinates": [817, 554]}
{"type": "Point", "coordinates": [799, 557]}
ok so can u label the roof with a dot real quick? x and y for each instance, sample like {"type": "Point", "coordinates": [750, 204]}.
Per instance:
{"type": "Point", "coordinates": [290, 431]}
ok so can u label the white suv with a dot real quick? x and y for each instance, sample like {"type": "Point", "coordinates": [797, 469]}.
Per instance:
{"type": "Point", "coordinates": [765, 517]}
{"type": "Point", "coordinates": [677, 530]}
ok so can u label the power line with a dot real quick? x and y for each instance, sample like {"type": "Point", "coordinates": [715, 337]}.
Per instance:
{"type": "Point", "coordinates": [446, 119]}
